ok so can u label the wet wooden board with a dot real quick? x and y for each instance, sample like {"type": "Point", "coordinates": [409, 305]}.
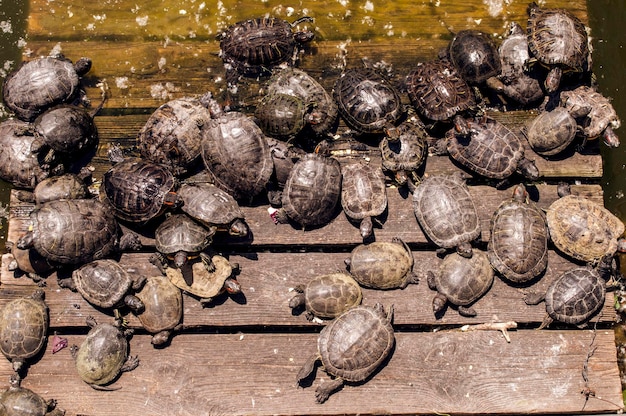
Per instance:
{"type": "Point", "coordinates": [241, 354]}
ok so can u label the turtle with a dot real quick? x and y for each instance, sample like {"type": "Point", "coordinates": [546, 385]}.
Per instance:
{"type": "Point", "coordinates": [382, 265]}
{"type": "Point", "coordinates": [572, 298]}
{"type": "Point", "coordinates": [406, 156]}
{"type": "Point", "coordinates": [439, 93]}
{"type": "Point", "coordinates": [551, 132]}
{"type": "Point", "coordinates": [516, 80]}
{"type": "Point", "coordinates": [42, 83]}
{"type": "Point", "coordinates": [103, 354]}
{"type": "Point", "coordinates": [284, 116]}
{"type": "Point", "coordinates": [460, 281]}
{"type": "Point", "coordinates": [558, 40]}
{"type": "Point", "coordinates": [518, 242]}
{"type": "Point", "coordinates": [327, 296]}
{"type": "Point", "coordinates": [491, 149]}
{"type": "Point", "coordinates": [179, 238]}
{"type": "Point", "coordinates": [65, 186]}
{"type": "Point", "coordinates": [367, 101]}
{"type": "Point", "coordinates": [583, 229]}
{"type": "Point", "coordinates": [163, 308]}
{"type": "Point", "coordinates": [296, 82]}
{"type": "Point", "coordinates": [17, 400]}
{"type": "Point", "coordinates": [213, 207]}
{"type": "Point", "coordinates": [351, 348]}
{"type": "Point", "coordinates": [75, 231]}
{"type": "Point", "coordinates": [30, 263]}
{"type": "Point", "coordinates": [284, 156]}
{"type": "Point", "coordinates": [24, 159]}
{"type": "Point", "coordinates": [106, 284]}
{"type": "Point", "coordinates": [68, 129]}
{"type": "Point", "coordinates": [475, 56]}
{"type": "Point", "coordinates": [236, 154]}
{"type": "Point", "coordinates": [363, 194]}
{"type": "Point", "coordinates": [312, 191]}
{"type": "Point", "coordinates": [206, 277]}
{"type": "Point", "coordinates": [446, 212]}
{"type": "Point", "coordinates": [252, 47]}
{"type": "Point", "coordinates": [172, 135]}
{"type": "Point", "coordinates": [139, 190]}
{"type": "Point", "coordinates": [24, 324]}
{"type": "Point", "coordinates": [601, 119]}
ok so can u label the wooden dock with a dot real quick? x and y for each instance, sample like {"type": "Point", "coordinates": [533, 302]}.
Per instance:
{"type": "Point", "coordinates": [241, 355]}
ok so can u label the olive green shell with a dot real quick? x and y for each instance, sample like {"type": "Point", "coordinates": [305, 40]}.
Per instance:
{"type": "Point", "coordinates": [20, 401]}
{"type": "Point", "coordinates": [163, 304]}
{"type": "Point", "coordinates": [382, 265]}
{"type": "Point", "coordinates": [551, 131]}
{"type": "Point", "coordinates": [329, 295]}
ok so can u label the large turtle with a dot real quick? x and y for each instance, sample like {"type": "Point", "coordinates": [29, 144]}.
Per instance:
{"type": "Point", "coordinates": [68, 129]}
{"type": "Point", "coordinates": [327, 296]}
{"type": "Point", "coordinates": [351, 347]}
{"type": "Point", "coordinates": [42, 83]}
{"type": "Point", "coordinates": [179, 238]}
{"type": "Point", "coordinates": [558, 40]}
{"type": "Point", "coordinates": [446, 212]}
{"type": "Point", "coordinates": [163, 308]}
{"type": "Point", "coordinates": [20, 401]}
{"type": "Point", "coordinates": [518, 244]}
{"type": "Point", "coordinates": [24, 325]}
{"type": "Point", "coordinates": [363, 194]}
{"type": "Point", "coordinates": [474, 55]}
{"type": "Point", "coordinates": [460, 281]}
{"type": "Point", "coordinates": [405, 156]}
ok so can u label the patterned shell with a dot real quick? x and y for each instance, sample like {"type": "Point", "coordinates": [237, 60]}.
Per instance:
{"type": "Point", "coordinates": [102, 282]}
{"type": "Point", "coordinates": [281, 115]}
{"type": "Point", "coordinates": [178, 232]}
{"type": "Point", "coordinates": [329, 295]}
{"type": "Point", "coordinates": [575, 296]}
{"type": "Point", "coordinates": [382, 265]}
{"type": "Point", "coordinates": [464, 280]}
{"type": "Point", "coordinates": [363, 190]}
{"type": "Point", "coordinates": [602, 113]}
{"type": "Point", "coordinates": [551, 131]}
{"type": "Point", "coordinates": [209, 204]}
{"type": "Point", "coordinates": [475, 56]}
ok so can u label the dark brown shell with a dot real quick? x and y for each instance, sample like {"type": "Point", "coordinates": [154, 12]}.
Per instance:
{"type": "Point", "coordinates": [329, 295]}
{"type": "Point", "coordinates": [281, 115]}
{"type": "Point", "coordinates": [575, 296]}
{"type": "Point", "coordinates": [550, 132]}
{"type": "Point", "coordinates": [437, 91]}
{"type": "Point", "coordinates": [67, 186]}
{"type": "Point", "coordinates": [602, 113]}
{"type": "Point", "coordinates": [312, 190]}
{"type": "Point", "coordinates": [474, 55]}
{"type": "Point", "coordinates": [102, 282]}
{"type": "Point", "coordinates": [583, 229]}
{"type": "Point", "coordinates": [17, 400]}
{"type": "Point", "coordinates": [518, 245]}
{"type": "Point", "coordinates": [236, 153]}
{"type": "Point", "coordinates": [382, 265]}
{"type": "Point", "coordinates": [68, 129]}
{"type": "Point", "coordinates": [367, 102]}
{"type": "Point", "coordinates": [178, 232]}
{"type": "Point", "coordinates": [464, 280]}
{"type": "Point", "coordinates": [406, 155]}
{"type": "Point", "coordinates": [137, 189]}
{"type": "Point", "coordinates": [210, 205]}
{"type": "Point", "coordinates": [163, 305]}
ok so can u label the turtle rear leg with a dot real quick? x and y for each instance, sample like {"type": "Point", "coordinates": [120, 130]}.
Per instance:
{"type": "Point", "coordinates": [466, 311]}
{"type": "Point", "coordinates": [323, 391]}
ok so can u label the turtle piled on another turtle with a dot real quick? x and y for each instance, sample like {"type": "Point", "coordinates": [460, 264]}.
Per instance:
{"type": "Point", "coordinates": [284, 116]}
{"type": "Point", "coordinates": [65, 186]}
{"type": "Point", "coordinates": [351, 348]}
{"type": "Point", "coordinates": [20, 401]}
{"type": "Point", "coordinates": [404, 157]}
{"type": "Point", "coordinates": [179, 238]}
{"type": "Point", "coordinates": [551, 132]}
{"type": "Point", "coordinates": [475, 56]}
{"type": "Point", "coordinates": [163, 308]}
{"type": "Point", "coordinates": [327, 296]}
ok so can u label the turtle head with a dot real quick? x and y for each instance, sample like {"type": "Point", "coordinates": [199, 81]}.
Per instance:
{"type": "Point", "coordinates": [366, 227]}
{"type": "Point", "coordinates": [232, 286]}
{"type": "Point", "coordinates": [180, 259]}
{"type": "Point", "coordinates": [519, 193]}
{"type": "Point", "coordinates": [82, 66]}
{"type": "Point", "coordinates": [239, 228]}
{"type": "Point", "coordinates": [439, 303]}
{"type": "Point", "coordinates": [528, 168]}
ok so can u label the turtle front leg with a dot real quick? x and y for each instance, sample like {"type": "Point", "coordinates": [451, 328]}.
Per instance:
{"type": "Point", "coordinates": [307, 369]}
{"type": "Point", "coordinates": [208, 262]}
{"type": "Point", "coordinates": [132, 361]}
{"type": "Point", "coordinates": [160, 262]}
{"type": "Point", "coordinates": [324, 390]}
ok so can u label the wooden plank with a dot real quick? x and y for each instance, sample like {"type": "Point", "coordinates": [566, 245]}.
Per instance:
{"type": "Point", "coordinates": [254, 373]}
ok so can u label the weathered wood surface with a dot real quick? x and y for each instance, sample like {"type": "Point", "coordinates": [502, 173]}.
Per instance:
{"type": "Point", "coordinates": [241, 355]}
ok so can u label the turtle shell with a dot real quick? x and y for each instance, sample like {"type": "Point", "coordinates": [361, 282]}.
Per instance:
{"type": "Point", "coordinates": [42, 83]}
{"type": "Point", "coordinates": [445, 210]}
{"type": "Point", "coordinates": [313, 190]}
{"type": "Point", "coordinates": [328, 296]}
{"type": "Point", "coordinates": [583, 229]}
{"type": "Point", "coordinates": [66, 186]}
{"type": "Point", "coordinates": [138, 190]}
{"type": "Point", "coordinates": [67, 129]}
{"type": "Point", "coordinates": [363, 194]}
{"type": "Point", "coordinates": [575, 296]}
{"type": "Point", "coordinates": [237, 155]}
{"type": "Point", "coordinates": [163, 307]}
{"type": "Point", "coordinates": [198, 281]}
{"type": "Point", "coordinates": [437, 91]}
{"type": "Point", "coordinates": [367, 102]}
{"type": "Point", "coordinates": [406, 155]}
{"type": "Point", "coordinates": [601, 117]}
{"type": "Point", "coordinates": [281, 115]}
{"type": "Point", "coordinates": [178, 232]}
{"type": "Point", "coordinates": [475, 56]}
{"type": "Point", "coordinates": [491, 149]}
{"type": "Point", "coordinates": [17, 400]}
{"type": "Point", "coordinates": [24, 324]}
{"type": "Point", "coordinates": [518, 244]}
{"type": "Point", "coordinates": [550, 132]}
{"type": "Point", "coordinates": [103, 283]}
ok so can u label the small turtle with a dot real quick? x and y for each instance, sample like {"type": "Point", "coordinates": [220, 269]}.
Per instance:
{"type": "Point", "coordinates": [206, 277]}
{"type": "Point", "coordinates": [475, 56]}
{"type": "Point", "coordinates": [583, 229]}
{"type": "Point", "coordinates": [31, 263]}
{"type": "Point", "coordinates": [106, 284]}
{"type": "Point", "coordinates": [75, 231]}
{"type": "Point", "coordinates": [214, 208]}
{"type": "Point", "coordinates": [601, 119]}
{"type": "Point", "coordinates": [312, 191]}
{"type": "Point", "coordinates": [236, 154]}
{"type": "Point", "coordinates": [446, 212]}
{"type": "Point", "coordinates": [551, 132]}
{"type": "Point", "coordinates": [351, 348]}
{"type": "Point", "coordinates": [363, 194]}
{"type": "Point", "coordinates": [558, 40]}
{"type": "Point", "coordinates": [68, 129]}
{"type": "Point", "coordinates": [42, 83]}
{"type": "Point", "coordinates": [382, 265]}
{"type": "Point", "coordinates": [179, 238]}
{"type": "Point", "coordinates": [516, 80]}
{"type": "Point", "coordinates": [163, 308]}
{"type": "Point", "coordinates": [103, 354]}
{"type": "Point", "coordinates": [284, 116]}
{"type": "Point", "coordinates": [406, 156]}
{"type": "Point", "coordinates": [24, 325]}
{"type": "Point", "coordinates": [491, 149]}
{"type": "Point", "coordinates": [518, 244]}
{"type": "Point", "coordinates": [65, 186]}
{"type": "Point", "coordinates": [172, 134]}
{"type": "Point", "coordinates": [367, 101]}
{"type": "Point", "coordinates": [20, 401]}
{"type": "Point", "coordinates": [460, 281]}
{"type": "Point", "coordinates": [139, 190]}
{"type": "Point", "coordinates": [572, 298]}
{"type": "Point", "coordinates": [253, 47]}
{"type": "Point", "coordinates": [327, 296]}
